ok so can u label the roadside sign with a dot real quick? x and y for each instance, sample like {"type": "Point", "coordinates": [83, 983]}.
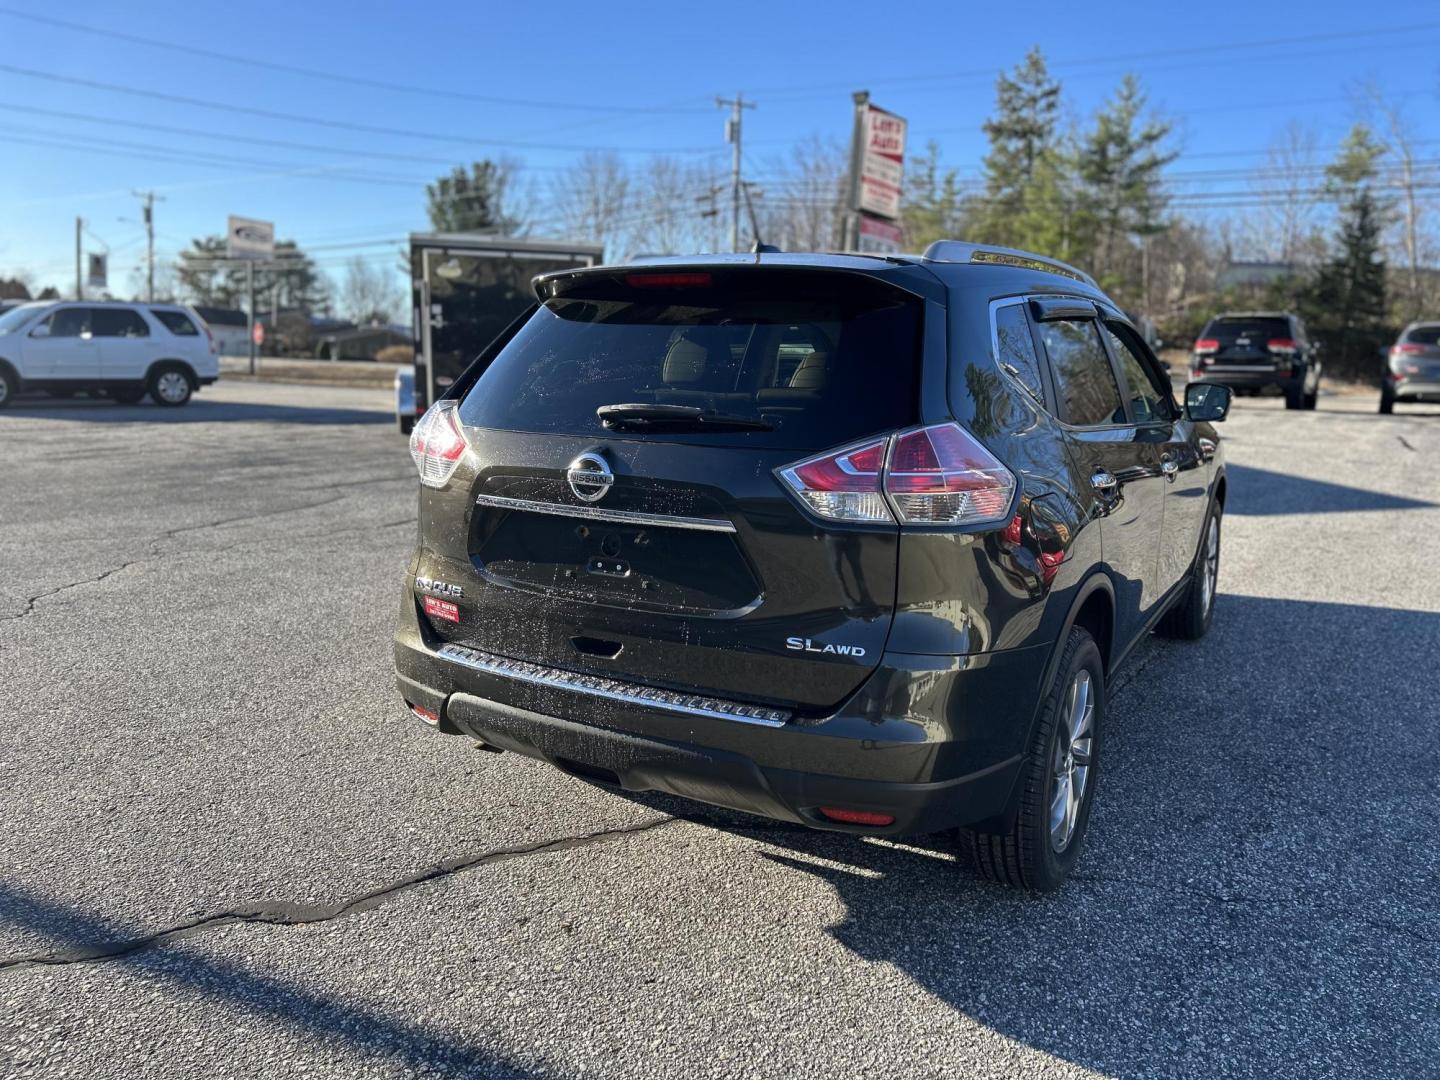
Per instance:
{"type": "Point", "coordinates": [258, 334]}
{"type": "Point", "coordinates": [879, 237]}
{"type": "Point", "coordinates": [96, 270]}
{"type": "Point", "coordinates": [882, 162]}
{"type": "Point", "coordinates": [246, 238]}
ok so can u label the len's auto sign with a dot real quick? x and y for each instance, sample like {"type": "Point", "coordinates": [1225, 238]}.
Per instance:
{"type": "Point", "coordinates": [882, 164]}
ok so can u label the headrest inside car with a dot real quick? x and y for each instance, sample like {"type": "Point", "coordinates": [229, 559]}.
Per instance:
{"type": "Point", "coordinates": [685, 363]}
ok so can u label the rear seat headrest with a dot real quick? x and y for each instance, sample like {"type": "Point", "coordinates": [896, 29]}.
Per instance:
{"type": "Point", "coordinates": [684, 363]}
{"type": "Point", "coordinates": [812, 374]}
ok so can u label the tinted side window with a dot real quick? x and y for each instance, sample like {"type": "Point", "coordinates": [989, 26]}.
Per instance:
{"type": "Point", "coordinates": [1086, 383]}
{"type": "Point", "coordinates": [1015, 349]}
{"type": "Point", "coordinates": [118, 322]}
{"type": "Point", "coordinates": [1147, 400]}
{"type": "Point", "coordinates": [70, 322]}
{"type": "Point", "coordinates": [177, 322]}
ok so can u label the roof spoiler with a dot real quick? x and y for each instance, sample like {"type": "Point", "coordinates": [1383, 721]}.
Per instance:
{"type": "Point", "coordinates": [961, 251]}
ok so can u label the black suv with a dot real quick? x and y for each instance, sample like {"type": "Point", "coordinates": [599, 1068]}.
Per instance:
{"type": "Point", "coordinates": [1253, 352]}
{"type": "Point", "coordinates": [847, 541]}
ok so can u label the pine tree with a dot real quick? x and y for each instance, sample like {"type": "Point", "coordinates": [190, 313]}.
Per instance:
{"type": "Point", "coordinates": [1120, 163]}
{"type": "Point", "coordinates": [470, 201]}
{"type": "Point", "coordinates": [1346, 304]}
{"type": "Point", "coordinates": [932, 201]}
{"type": "Point", "coordinates": [1022, 140]}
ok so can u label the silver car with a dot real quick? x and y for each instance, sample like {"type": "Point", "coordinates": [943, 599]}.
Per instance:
{"type": "Point", "coordinates": [1412, 369]}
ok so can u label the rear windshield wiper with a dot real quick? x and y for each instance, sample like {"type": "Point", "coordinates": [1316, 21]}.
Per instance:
{"type": "Point", "coordinates": [641, 415]}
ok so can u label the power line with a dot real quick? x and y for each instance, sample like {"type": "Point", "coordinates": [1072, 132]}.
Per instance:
{"type": "Point", "coordinates": [252, 63]}
{"type": "Point", "coordinates": [344, 125]}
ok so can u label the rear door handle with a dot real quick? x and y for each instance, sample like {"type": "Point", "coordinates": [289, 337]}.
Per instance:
{"type": "Point", "coordinates": [1103, 480]}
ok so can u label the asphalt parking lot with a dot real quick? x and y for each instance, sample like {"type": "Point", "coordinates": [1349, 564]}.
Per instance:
{"type": "Point", "coordinates": [226, 849]}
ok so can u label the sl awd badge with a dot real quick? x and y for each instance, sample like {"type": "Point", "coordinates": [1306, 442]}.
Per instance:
{"type": "Point", "coordinates": [804, 644]}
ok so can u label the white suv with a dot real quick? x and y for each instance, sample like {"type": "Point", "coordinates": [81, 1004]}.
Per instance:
{"type": "Point", "coordinates": [123, 350]}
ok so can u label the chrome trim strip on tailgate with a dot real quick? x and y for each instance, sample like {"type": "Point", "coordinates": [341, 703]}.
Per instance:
{"type": "Point", "coordinates": [595, 513]}
{"type": "Point", "coordinates": [613, 689]}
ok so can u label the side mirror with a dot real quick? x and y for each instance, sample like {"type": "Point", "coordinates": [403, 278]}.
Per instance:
{"type": "Point", "coordinates": [43, 330]}
{"type": "Point", "coordinates": [1208, 402]}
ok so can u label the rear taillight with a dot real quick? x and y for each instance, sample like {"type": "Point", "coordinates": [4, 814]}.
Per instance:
{"type": "Point", "coordinates": [1285, 346]}
{"type": "Point", "coordinates": [214, 349]}
{"type": "Point", "coordinates": [937, 475]}
{"type": "Point", "coordinates": [1206, 344]}
{"type": "Point", "coordinates": [1196, 373]}
{"type": "Point", "coordinates": [437, 444]}
{"type": "Point", "coordinates": [1406, 349]}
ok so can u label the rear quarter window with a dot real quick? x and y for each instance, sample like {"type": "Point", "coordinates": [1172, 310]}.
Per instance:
{"type": "Point", "coordinates": [822, 358]}
{"type": "Point", "coordinates": [177, 322]}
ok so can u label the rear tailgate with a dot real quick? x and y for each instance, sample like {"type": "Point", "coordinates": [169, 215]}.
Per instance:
{"type": "Point", "coordinates": [689, 567]}
{"type": "Point", "coordinates": [1245, 343]}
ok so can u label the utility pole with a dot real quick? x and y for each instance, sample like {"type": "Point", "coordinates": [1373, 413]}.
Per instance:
{"type": "Point", "coordinates": [250, 287]}
{"type": "Point", "coordinates": [732, 136]}
{"type": "Point", "coordinates": [79, 281]}
{"type": "Point", "coordinates": [147, 199]}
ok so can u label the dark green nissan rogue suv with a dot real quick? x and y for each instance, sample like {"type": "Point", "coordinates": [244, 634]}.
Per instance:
{"type": "Point", "coordinates": [848, 541]}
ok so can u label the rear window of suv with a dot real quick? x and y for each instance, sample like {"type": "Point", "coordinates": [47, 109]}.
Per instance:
{"type": "Point", "coordinates": [1423, 335]}
{"type": "Point", "coordinates": [177, 322]}
{"type": "Point", "coordinates": [1255, 328]}
{"type": "Point", "coordinates": [821, 358]}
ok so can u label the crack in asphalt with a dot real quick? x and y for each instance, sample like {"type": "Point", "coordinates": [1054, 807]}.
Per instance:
{"type": "Point", "coordinates": [1405, 443]}
{"type": "Point", "coordinates": [30, 602]}
{"type": "Point", "coordinates": [287, 914]}
{"type": "Point", "coordinates": [168, 534]}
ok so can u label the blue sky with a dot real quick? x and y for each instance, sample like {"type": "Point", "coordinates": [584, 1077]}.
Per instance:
{"type": "Point", "coordinates": [656, 68]}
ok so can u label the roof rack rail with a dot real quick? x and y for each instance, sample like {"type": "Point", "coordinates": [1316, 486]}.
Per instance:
{"type": "Point", "coordinates": [962, 251]}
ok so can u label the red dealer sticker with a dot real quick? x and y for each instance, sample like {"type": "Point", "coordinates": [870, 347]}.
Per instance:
{"type": "Point", "coordinates": [442, 609]}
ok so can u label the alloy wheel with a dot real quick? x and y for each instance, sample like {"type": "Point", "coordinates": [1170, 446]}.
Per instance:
{"type": "Point", "coordinates": [1210, 574]}
{"type": "Point", "coordinates": [1074, 746]}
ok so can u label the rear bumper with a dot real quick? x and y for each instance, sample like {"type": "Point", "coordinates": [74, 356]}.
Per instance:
{"type": "Point", "coordinates": [1249, 379]}
{"type": "Point", "coordinates": [933, 741]}
{"type": "Point", "coordinates": [1416, 389]}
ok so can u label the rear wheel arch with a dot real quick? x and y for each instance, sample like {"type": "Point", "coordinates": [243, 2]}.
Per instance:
{"type": "Point", "coordinates": [1220, 486]}
{"type": "Point", "coordinates": [11, 370]}
{"type": "Point", "coordinates": [1094, 609]}
{"type": "Point", "coordinates": [170, 361]}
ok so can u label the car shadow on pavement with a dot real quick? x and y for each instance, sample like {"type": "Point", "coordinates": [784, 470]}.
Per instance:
{"type": "Point", "coordinates": [1255, 491]}
{"type": "Point", "coordinates": [325, 1016]}
{"type": "Point", "coordinates": [198, 411]}
{"type": "Point", "coordinates": [1260, 889]}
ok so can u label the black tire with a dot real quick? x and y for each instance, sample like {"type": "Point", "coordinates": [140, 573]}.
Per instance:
{"type": "Point", "coordinates": [128, 395]}
{"type": "Point", "coordinates": [1312, 399]}
{"type": "Point", "coordinates": [9, 386]}
{"type": "Point", "coordinates": [1294, 399]}
{"type": "Point", "coordinates": [406, 424]}
{"type": "Point", "coordinates": [1025, 856]}
{"type": "Point", "coordinates": [1189, 618]}
{"type": "Point", "coordinates": [167, 391]}
{"type": "Point", "coordinates": [1387, 403]}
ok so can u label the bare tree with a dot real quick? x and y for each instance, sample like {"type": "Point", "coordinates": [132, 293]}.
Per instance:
{"type": "Point", "coordinates": [1285, 227]}
{"type": "Point", "coordinates": [590, 201]}
{"type": "Point", "coordinates": [804, 192]}
{"type": "Point", "coordinates": [1412, 236]}
{"type": "Point", "coordinates": [666, 210]}
{"type": "Point", "coordinates": [369, 294]}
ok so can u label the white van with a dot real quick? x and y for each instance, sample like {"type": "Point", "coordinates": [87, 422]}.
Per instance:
{"type": "Point", "coordinates": [124, 351]}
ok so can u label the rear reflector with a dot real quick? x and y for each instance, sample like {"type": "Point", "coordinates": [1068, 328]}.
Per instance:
{"type": "Point", "coordinates": [1206, 344]}
{"type": "Point", "coordinates": [856, 817]}
{"type": "Point", "coordinates": [441, 609]}
{"type": "Point", "coordinates": [430, 716]}
{"type": "Point", "coordinates": [437, 443]}
{"type": "Point", "coordinates": [937, 475]}
{"type": "Point", "coordinates": [668, 281]}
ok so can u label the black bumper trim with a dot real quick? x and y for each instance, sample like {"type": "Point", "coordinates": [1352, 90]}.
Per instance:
{"type": "Point", "coordinates": [726, 778]}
